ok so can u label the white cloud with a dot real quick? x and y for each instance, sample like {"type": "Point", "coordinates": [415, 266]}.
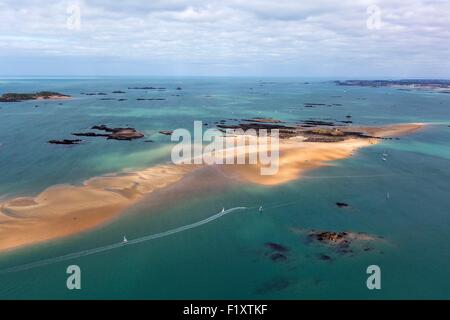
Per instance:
{"type": "Point", "coordinates": [284, 36]}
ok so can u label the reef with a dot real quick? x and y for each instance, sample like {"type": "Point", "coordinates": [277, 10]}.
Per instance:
{"type": "Point", "coordinates": [277, 252]}
{"type": "Point", "coordinates": [342, 204]}
{"type": "Point", "coordinates": [404, 84]}
{"type": "Point", "coordinates": [126, 133]}
{"type": "Point", "coordinates": [343, 242]}
{"type": "Point", "coordinates": [65, 141]}
{"type": "Point", "coordinates": [18, 97]}
{"type": "Point", "coordinates": [94, 94]}
{"type": "Point", "coordinates": [146, 88]}
{"type": "Point", "coordinates": [150, 99]}
{"type": "Point", "coordinates": [276, 247]}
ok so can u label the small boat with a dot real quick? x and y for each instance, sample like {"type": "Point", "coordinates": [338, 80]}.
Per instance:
{"type": "Point", "coordinates": [125, 240]}
{"type": "Point", "coordinates": [223, 210]}
{"type": "Point", "coordinates": [384, 159]}
{"type": "Point", "coordinates": [260, 209]}
{"type": "Point", "coordinates": [388, 195]}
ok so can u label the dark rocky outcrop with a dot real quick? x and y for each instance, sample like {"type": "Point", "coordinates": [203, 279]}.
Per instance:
{"type": "Point", "coordinates": [314, 104]}
{"type": "Point", "coordinates": [261, 120]}
{"type": "Point", "coordinates": [65, 141]}
{"type": "Point", "coordinates": [324, 139]}
{"type": "Point", "coordinates": [278, 257]}
{"type": "Point", "coordinates": [90, 134]}
{"type": "Point", "coordinates": [326, 130]}
{"type": "Point", "coordinates": [113, 133]}
{"type": "Point", "coordinates": [277, 253]}
{"type": "Point", "coordinates": [150, 99]}
{"type": "Point", "coordinates": [284, 131]}
{"type": "Point", "coordinates": [103, 127]}
{"type": "Point", "coordinates": [342, 204]}
{"type": "Point", "coordinates": [330, 237]}
{"type": "Point", "coordinates": [146, 88]}
{"type": "Point", "coordinates": [18, 97]}
{"type": "Point", "coordinates": [94, 94]}
{"type": "Point", "coordinates": [324, 257]}
{"type": "Point", "coordinates": [318, 123]}
{"type": "Point", "coordinates": [276, 247]}
{"type": "Point", "coordinates": [343, 242]}
{"type": "Point", "coordinates": [126, 134]}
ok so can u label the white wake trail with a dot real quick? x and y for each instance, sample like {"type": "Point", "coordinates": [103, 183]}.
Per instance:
{"type": "Point", "coordinates": [93, 251]}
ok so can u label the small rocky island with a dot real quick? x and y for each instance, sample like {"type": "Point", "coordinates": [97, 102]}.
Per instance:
{"type": "Point", "coordinates": [344, 242]}
{"type": "Point", "coordinates": [311, 130]}
{"type": "Point", "coordinates": [65, 141]}
{"type": "Point", "coordinates": [109, 133]}
{"type": "Point", "coordinates": [42, 95]}
{"type": "Point", "coordinates": [112, 133]}
{"type": "Point", "coordinates": [277, 252]}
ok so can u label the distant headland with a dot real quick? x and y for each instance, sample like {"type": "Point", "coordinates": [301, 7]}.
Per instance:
{"type": "Point", "coordinates": [438, 85]}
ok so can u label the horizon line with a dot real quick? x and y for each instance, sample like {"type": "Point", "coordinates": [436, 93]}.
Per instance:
{"type": "Point", "coordinates": [227, 76]}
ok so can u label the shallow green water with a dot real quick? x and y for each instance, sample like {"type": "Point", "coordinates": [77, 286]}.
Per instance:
{"type": "Point", "coordinates": [227, 257]}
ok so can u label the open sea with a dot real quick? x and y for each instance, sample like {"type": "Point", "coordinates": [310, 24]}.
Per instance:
{"type": "Point", "coordinates": [227, 258]}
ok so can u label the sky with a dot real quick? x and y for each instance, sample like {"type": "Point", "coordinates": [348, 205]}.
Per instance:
{"type": "Point", "coordinates": [301, 38]}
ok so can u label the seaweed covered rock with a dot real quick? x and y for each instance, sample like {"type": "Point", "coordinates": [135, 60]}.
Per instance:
{"type": "Point", "coordinates": [113, 133]}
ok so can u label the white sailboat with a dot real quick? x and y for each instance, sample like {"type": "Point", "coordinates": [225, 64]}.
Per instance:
{"type": "Point", "coordinates": [125, 240]}
{"type": "Point", "coordinates": [260, 209]}
{"type": "Point", "coordinates": [223, 210]}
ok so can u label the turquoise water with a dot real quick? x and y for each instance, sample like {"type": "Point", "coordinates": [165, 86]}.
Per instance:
{"type": "Point", "coordinates": [227, 257]}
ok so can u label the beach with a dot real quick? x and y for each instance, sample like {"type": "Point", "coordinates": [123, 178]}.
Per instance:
{"type": "Point", "coordinates": [65, 210]}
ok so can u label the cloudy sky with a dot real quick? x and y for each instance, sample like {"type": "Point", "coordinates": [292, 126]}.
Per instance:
{"type": "Point", "coordinates": [307, 38]}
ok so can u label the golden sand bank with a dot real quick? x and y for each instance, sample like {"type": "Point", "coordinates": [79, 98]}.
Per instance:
{"type": "Point", "coordinates": [65, 210]}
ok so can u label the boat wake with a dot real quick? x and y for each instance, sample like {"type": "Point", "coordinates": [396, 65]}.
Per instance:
{"type": "Point", "coordinates": [93, 251]}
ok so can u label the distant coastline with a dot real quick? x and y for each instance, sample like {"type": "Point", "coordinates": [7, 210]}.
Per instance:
{"type": "Point", "coordinates": [442, 86]}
